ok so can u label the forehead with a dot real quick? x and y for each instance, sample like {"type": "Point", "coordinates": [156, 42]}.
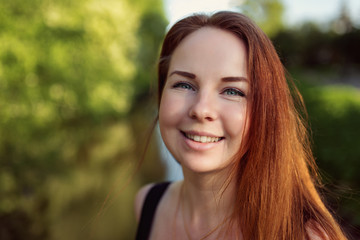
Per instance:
{"type": "Point", "coordinates": [212, 49]}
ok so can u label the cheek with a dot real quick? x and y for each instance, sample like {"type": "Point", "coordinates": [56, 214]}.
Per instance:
{"type": "Point", "coordinates": [235, 122]}
{"type": "Point", "coordinates": [170, 109]}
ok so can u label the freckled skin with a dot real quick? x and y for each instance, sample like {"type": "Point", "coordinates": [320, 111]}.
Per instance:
{"type": "Point", "coordinates": [205, 104]}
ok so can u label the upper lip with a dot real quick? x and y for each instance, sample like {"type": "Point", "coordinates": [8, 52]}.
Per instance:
{"type": "Point", "coordinates": [198, 133]}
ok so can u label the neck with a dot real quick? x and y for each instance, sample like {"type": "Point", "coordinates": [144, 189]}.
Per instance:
{"type": "Point", "coordinates": [207, 200]}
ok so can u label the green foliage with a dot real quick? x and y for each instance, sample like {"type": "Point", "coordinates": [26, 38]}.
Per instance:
{"type": "Point", "coordinates": [150, 33]}
{"type": "Point", "coordinates": [268, 14]}
{"type": "Point", "coordinates": [69, 73]}
{"type": "Point", "coordinates": [309, 46]}
{"type": "Point", "coordinates": [334, 112]}
{"type": "Point", "coordinates": [335, 116]}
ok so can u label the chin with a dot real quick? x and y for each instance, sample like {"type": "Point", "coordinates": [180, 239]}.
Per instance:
{"type": "Point", "coordinates": [201, 167]}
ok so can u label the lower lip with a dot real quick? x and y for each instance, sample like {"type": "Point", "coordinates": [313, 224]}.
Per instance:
{"type": "Point", "coordinates": [199, 146]}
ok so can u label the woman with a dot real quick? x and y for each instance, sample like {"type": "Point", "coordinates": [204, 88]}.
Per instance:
{"type": "Point", "coordinates": [228, 116]}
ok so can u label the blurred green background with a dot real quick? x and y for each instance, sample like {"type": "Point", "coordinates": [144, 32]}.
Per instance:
{"type": "Point", "coordinates": [77, 100]}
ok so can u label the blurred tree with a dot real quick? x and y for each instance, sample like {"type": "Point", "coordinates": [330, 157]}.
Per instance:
{"type": "Point", "coordinates": [68, 71]}
{"type": "Point", "coordinates": [310, 47]}
{"type": "Point", "coordinates": [343, 24]}
{"type": "Point", "coordinates": [268, 14]}
{"type": "Point", "coordinates": [150, 33]}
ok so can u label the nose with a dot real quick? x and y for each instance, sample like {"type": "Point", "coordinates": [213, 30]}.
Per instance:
{"type": "Point", "coordinates": [203, 108]}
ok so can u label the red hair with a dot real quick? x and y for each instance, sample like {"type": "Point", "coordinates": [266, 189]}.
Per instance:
{"type": "Point", "coordinates": [276, 196]}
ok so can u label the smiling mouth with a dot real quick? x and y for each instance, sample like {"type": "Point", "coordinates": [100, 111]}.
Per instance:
{"type": "Point", "coordinates": [202, 139]}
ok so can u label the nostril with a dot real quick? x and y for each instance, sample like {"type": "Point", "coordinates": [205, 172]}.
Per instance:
{"type": "Point", "coordinates": [209, 118]}
{"type": "Point", "coordinates": [201, 112]}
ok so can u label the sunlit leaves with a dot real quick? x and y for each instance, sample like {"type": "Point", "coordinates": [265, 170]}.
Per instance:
{"type": "Point", "coordinates": [68, 73]}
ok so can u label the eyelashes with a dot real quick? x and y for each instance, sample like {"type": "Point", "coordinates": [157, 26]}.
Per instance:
{"type": "Point", "coordinates": [184, 85]}
{"type": "Point", "coordinates": [229, 92]}
{"type": "Point", "coordinates": [233, 92]}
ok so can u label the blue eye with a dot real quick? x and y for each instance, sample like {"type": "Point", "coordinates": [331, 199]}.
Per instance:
{"type": "Point", "coordinates": [183, 85]}
{"type": "Point", "coordinates": [234, 92]}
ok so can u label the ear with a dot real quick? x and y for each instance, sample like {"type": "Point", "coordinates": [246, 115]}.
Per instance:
{"type": "Point", "coordinates": [315, 231]}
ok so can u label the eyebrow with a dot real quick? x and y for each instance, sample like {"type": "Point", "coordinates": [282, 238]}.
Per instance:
{"type": "Point", "coordinates": [184, 74]}
{"type": "Point", "coordinates": [234, 79]}
{"type": "Point", "coordinates": [224, 79]}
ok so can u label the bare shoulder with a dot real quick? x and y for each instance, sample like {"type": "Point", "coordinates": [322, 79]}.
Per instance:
{"type": "Point", "coordinates": [168, 198]}
{"type": "Point", "coordinates": [140, 198]}
{"type": "Point", "coordinates": [315, 231]}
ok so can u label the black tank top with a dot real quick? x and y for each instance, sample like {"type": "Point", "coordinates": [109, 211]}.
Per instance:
{"type": "Point", "coordinates": [148, 210]}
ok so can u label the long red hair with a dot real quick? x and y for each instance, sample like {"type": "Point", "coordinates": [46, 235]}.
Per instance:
{"type": "Point", "coordinates": [276, 196]}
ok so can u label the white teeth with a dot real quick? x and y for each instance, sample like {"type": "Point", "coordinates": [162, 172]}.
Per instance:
{"type": "Point", "coordinates": [203, 139]}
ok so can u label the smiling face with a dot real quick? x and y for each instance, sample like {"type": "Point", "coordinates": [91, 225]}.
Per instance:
{"type": "Point", "coordinates": [204, 102]}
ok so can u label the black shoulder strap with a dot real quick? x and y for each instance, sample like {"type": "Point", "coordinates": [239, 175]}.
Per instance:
{"type": "Point", "coordinates": [148, 210]}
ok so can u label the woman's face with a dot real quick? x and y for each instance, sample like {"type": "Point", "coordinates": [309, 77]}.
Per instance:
{"type": "Point", "coordinates": [204, 102]}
